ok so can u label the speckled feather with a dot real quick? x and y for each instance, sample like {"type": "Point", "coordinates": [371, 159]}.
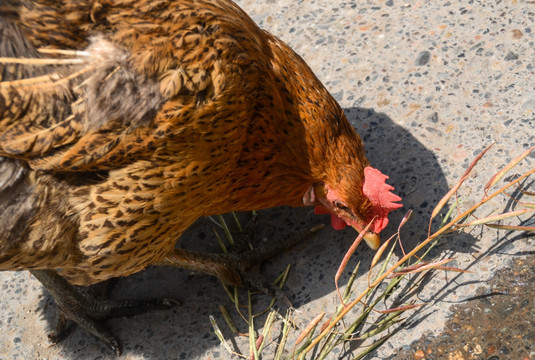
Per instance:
{"type": "Point", "coordinates": [171, 111]}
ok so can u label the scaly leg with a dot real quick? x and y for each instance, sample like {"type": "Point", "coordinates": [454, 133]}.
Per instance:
{"type": "Point", "coordinates": [241, 267]}
{"type": "Point", "coordinates": [88, 312]}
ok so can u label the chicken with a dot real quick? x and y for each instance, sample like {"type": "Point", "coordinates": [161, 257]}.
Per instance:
{"type": "Point", "coordinates": [122, 122]}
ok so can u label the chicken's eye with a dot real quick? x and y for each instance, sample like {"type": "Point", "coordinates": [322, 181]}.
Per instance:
{"type": "Point", "coordinates": [341, 206]}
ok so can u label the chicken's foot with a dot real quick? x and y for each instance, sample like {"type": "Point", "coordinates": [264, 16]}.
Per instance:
{"type": "Point", "coordinates": [241, 267]}
{"type": "Point", "coordinates": [88, 312]}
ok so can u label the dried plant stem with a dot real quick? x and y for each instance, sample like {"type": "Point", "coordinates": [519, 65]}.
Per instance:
{"type": "Point", "coordinates": [45, 80]}
{"type": "Point", "coordinates": [438, 233]}
{"type": "Point", "coordinates": [252, 338]}
{"type": "Point", "coordinates": [363, 328]}
{"type": "Point", "coordinates": [285, 332]}
{"type": "Point", "coordinates": [497, 177]}
{"type": "Point", "coordinates": [64, 52]}
{"type": "Point", "coordinates": [347, 256]}
{"type": "Point", "coordinates": [456, 187]}
{"type": "Point", "coordinates": [41, 62]}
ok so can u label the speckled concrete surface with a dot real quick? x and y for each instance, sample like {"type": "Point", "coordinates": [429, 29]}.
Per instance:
{"type": "Point", "coordinates": [497, 323]}
{"type": "Point", "coordinates": [428, 85]}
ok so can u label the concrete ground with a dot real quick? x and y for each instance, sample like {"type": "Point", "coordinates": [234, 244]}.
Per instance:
{"type": "Point", "coordinates": [428, 85]}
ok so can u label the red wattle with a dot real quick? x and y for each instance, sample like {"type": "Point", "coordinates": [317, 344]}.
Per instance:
{"type": "Point", "coordinates": [320, 210]}
{"type": "Point", "coordinates": [336, 222]}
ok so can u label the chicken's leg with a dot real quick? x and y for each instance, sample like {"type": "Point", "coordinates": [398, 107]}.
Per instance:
{"type": "Point", "coordinates": [241, 267]}
{"type": "Point", "coordinates": [88, 312]}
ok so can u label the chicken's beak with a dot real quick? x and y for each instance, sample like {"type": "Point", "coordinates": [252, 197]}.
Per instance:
{"type": "Point", "coordinates": [372, 239]}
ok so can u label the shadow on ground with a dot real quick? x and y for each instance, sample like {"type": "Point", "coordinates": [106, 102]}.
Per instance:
{"type": "Point", "coordinates": [185, 332]}
{"type": "Point", "coordinates": [508, 301]}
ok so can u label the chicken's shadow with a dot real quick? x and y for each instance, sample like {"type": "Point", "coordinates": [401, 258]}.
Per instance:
{"type": "Point", "coordinates": [414, 171]}
{"type": "Point", "coordinates": [185, 332]}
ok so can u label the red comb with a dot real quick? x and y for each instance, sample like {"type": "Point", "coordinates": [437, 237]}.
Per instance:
{"type": "Point", "coordinates": [379, 192]}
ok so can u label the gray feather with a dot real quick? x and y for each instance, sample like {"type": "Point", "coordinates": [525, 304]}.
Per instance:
{"type": "Point", "coordinates": [17, 202]}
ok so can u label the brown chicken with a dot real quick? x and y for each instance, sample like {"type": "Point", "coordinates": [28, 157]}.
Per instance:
{"type": "Point", "coordinates": [122, 122]}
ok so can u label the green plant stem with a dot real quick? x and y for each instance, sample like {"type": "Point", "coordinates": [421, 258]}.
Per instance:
{"type": "Point", "coordinates": [406, 257]}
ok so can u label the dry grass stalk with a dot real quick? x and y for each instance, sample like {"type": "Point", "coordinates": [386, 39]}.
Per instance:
{"type": "Point", "coordinates": [330, 336]}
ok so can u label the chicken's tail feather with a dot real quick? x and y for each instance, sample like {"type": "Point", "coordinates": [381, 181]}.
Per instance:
{"type": "Point", "coordinates": [51, 98]}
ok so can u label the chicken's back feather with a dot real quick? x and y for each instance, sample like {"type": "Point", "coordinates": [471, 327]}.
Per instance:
{"type": "Point", "coordinates": [168, 111]}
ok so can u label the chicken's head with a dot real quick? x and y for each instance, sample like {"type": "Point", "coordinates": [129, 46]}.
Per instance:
{"type": "Point", "coordinates": [378, 202]}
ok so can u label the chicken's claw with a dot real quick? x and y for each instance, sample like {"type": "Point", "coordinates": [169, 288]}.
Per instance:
{"type": "Point", "coordinates": [88, 312]}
